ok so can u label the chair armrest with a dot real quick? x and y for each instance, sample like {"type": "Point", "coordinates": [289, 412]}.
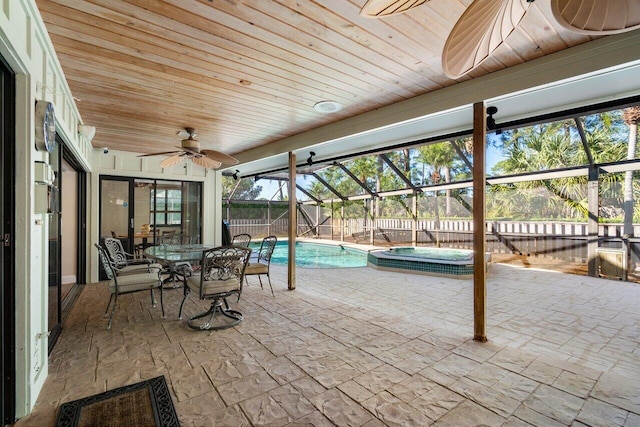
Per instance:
{"type": "Point", "coordinates": [138, 261]}
{"type": "Point", "coordinates": [138, 269]}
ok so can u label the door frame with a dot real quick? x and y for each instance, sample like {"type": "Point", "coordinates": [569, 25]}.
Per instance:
{"type": "Point", "coordinates": [7, 245]}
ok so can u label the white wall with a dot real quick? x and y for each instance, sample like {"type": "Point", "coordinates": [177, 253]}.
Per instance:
{"type": "Point", "coordinates": [25, 45]}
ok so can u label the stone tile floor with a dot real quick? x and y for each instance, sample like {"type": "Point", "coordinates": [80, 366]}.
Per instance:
{"type": "Point", "coordinates": [360, 347]}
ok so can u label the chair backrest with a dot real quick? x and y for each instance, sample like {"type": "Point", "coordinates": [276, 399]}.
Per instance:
{"type": "Point", "coordinates": [266, 248]}
{"type": "Point", "coordinates": [223, 263]}
{"type": "Point", "coordinates": [106, 262]}
{"type": "Point", "coordinates": [241, 240]}
{"type": "Point", "coordinates": [115, 250]}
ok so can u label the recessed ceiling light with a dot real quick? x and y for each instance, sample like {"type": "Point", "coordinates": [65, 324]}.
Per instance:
{"type": "Point", "coordinates": [327, 107]}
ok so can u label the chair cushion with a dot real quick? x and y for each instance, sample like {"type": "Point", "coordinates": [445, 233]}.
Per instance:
{"type": "Point", "coordinates": [135, 282]}
{"type": "Point", "coordinates": [256, 268]}
{"type": "Point", "coordinates": [213, 286]}
{"type": "Point", "coordinates": [140, 269]}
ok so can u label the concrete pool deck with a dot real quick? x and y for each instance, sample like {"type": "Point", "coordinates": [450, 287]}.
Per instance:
{"type": "Point", "coordinates": [362, 347]}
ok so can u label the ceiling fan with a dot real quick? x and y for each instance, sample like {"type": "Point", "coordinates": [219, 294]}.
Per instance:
{"type": "Point", "coordinates": [485, 24]}
{"type": "Point", "coordinates": [190, 149]}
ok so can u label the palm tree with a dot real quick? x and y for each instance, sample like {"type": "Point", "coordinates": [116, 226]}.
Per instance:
{"type": "Point", "coordinates": [631, 117]}
{"type": "Point", "coordinates": [441, 157]}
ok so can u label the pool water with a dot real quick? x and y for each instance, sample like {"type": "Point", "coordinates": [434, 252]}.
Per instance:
{"type": "Point", "coordinates": [433, 253]}
{"type": "Point", "coordinates": [316, 255]}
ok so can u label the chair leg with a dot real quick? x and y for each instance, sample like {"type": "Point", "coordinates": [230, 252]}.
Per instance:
{"type": "Point", "coordinates": [164, 316]}
{"type": "Point", "coordinates": [153, 299]}
{"type": "Point", "coordinates": [260, 279]}
{"type": "Point", "coordinates": [216, 307]}
{"type": "Point", "coordinates": [113, 310]}
{"type": "Point", "coordinates": [106, 312]}
{"type": "Point", "coordinates": [184, 298]}
{"type": "Point", "coordinates": [269, 278]}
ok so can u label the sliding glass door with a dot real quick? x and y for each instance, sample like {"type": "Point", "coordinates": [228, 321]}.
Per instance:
{"type": "Point", "coordinates": [137, 211]}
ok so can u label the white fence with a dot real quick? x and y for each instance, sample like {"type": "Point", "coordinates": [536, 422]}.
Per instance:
{"type": "Point", "coordinates": [562, 240]}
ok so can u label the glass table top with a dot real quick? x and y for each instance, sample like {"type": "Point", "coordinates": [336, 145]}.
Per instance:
{"type": "Point", "coordinates": [177, 253]}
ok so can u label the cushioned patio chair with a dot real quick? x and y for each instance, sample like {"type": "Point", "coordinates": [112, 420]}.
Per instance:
{"type": "Point", "coordinates": [143, 278]}
{"type": "Point", "coordinates": [241, 240]}
{"type": "Point", "coordinates": [220, 276]}
{"type": "Point", "coordinates": [119, 256]}
{"type": "Point", "coordinates": [260, 264]}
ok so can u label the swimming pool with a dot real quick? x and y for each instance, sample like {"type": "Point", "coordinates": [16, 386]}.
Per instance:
{"type": "Point", "coordinates": [318, 255]}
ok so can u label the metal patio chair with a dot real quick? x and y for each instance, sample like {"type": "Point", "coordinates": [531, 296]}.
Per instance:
{"type": "Point", "coordinates": [220, 275]}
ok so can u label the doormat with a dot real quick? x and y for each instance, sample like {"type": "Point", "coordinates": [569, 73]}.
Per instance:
{"type": "Point", "coordinates": [147, 403]}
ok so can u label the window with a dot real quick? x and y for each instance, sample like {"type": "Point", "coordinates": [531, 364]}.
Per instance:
{"type": "Point", "coordinates": [168, 206]}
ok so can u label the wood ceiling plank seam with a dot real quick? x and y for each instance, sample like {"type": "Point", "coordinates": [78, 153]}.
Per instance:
{"type": "Point", "coordinates": [172, 62]}
{"type": "Point", "coordinates": [216, 117]}
{"type": "Point", "coordinates": [122, 99]}
{"type": "Point", "coordinates": [524, 45]}
{"type": "Point", "coordinates": [225, 140]}
{"type": "Point", "coordinates": [315, 68]}
{"type": "Point", "coordinates": [228, 142]}
{"type": "Point", "coordinates": [273, 73]}
{"type": "Point", "coordinates": [139, 83]}
{"type": "Point", "coordinates": [318, 62]}
{"type": "Point", "coordinates": [258, 26]}
{"type": "Point", "coordinates": [570, 38]}
{"type": "Point", "coordinates": [257, 120]}
{"type": "Point", "coordinates": [363, 32]}
{"type": "Point", "coordinates": [407, 33]}
{"type": "Point", "coordinates": [541, 32]}
{"type": "Point", "coordinates": [72, 49]}
{"type": "Point", "coordinates": [330, 34]}
{"type": "Point", "coordinates": [134, 122]}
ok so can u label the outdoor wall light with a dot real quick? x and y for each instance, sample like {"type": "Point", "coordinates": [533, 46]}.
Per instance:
{"type": "Point", "coordinates": [491, 122]}
{"type": "Point", "coordinates": [310, 158]}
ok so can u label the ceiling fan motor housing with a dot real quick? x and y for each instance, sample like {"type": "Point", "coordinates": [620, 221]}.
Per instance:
{"type": "Point", "coordinates": [191, 143]}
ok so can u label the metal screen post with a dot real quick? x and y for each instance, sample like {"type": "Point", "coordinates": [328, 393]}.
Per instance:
{"type": "Point", "coordinates": [269, 218]}
{"type": "Point", "coordinates": [342, 223]}
{"type": "Point", "coordinates": [593, 194]}
{"type": "Point", "coordinates": [414, 223]}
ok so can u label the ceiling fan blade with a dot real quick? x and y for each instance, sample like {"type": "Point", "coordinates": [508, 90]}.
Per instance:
{"type": "Point", "coordinates": [220, 157]}
{"type": "Point", "coordinates": [382, 8]}
{"type": "Point", "coordinates": [173, 160]}
{"type": "Point", "coordinates": [481, 29]}
{"type": "Point", "coordinates": [164, 153]}
{"type": "Point", "coordinates": [597, 17]}
{"type": "Point", "coordinates": [206, 162]}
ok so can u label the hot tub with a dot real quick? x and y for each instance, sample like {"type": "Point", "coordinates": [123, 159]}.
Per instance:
{"type": "Point", "coordinates": [445, 262]}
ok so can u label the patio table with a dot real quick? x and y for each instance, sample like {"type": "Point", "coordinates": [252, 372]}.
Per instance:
{"type": "Point", "coordinates": [176, 256]}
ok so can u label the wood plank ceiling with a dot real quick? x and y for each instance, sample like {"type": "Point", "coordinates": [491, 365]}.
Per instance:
{"type": "Point", "coordinates": [245, 73]}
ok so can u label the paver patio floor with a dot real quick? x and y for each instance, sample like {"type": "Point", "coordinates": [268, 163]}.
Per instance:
{"type": "Point", "coordinates": [361, 347]}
